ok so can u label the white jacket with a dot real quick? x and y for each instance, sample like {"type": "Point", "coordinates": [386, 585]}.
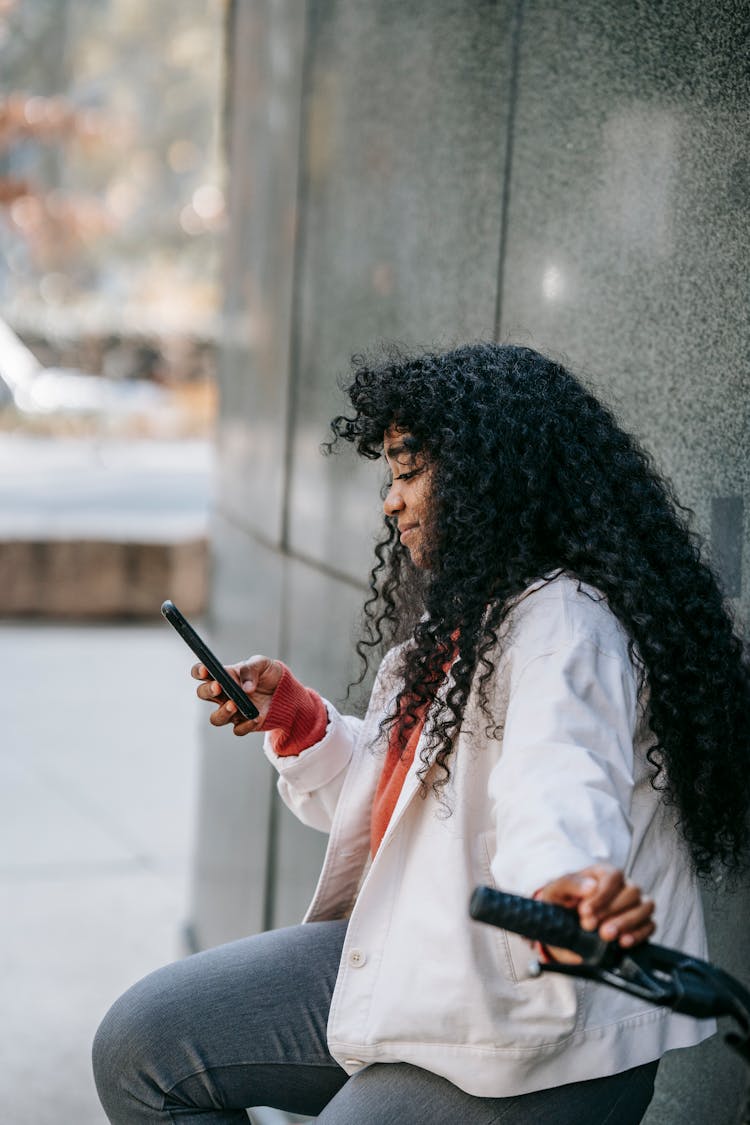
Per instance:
{"type": "Point", "coordinates": [564, 785]}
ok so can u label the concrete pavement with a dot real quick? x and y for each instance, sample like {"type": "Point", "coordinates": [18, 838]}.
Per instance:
{"type": "Point", "coordinates": [79, 487]}
{"type": "Point", "coordinates": [99, 738]}
{"type": "Point", "coordinates": [98, 759]}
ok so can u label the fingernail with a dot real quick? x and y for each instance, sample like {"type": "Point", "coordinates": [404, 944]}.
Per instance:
{"type": "Point", "coordinates": [588, 884]}
{"type": "Point", "coordinates": [230, 708]}
{"type": "Point", "coordinates": [626, 939]}
{"type": "Point", "coordinates": [609, 931]}
{"type": "Point", "coordinates": [215, 689]}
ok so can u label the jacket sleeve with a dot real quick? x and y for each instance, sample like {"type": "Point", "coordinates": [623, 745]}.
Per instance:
{"type": "Point", "coordinates": [310, 783]}
{"type": "Point", "coordinates": [563, 784]}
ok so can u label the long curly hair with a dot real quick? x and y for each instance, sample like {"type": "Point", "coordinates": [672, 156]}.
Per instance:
{"type": "Point", "coordinates": [530, 474]}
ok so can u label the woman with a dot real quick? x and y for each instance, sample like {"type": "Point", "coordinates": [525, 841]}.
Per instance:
{"type": "Point", "coordinates": [563, 711]}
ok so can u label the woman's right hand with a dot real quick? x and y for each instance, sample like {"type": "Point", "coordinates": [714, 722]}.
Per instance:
{"type": "Point", "coordinates": [605, 902]}
{"type": "Point", "coordinates": [258, 677]}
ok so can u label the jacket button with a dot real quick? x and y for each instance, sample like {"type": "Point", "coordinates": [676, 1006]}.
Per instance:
{"type": "Point", "coordinates": [357, 958]}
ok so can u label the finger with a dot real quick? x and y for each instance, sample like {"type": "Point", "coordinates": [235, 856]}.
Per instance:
{"type": "Point", "coordinates": [595, 905]}
{"type": "Point", "coordinates": [631, 920]}
{"type": "Point", "coordinates": [567, 890]}
{"type": "Point", "coordinates": [564, 956]}
{"type": "Point", "coordinates": [242, 725]}
{"type": "Point", "coordinates": [251, 673]}
{"type": "Point", "coordinates": [236, 716]}
{"type": "Point", "coordinates": [643, 933]}
{"type": "Point", "coordinates": [609, 883]}
{"type": "Point", "coordinates": [199, 672]}
{"type": "Point", "coordinates": [224, 713]}
{"type": "Point", "coordinates": [260, 673]}
{"type": "Point", "coordinates": [628, 897]}
{"type": "Point", "coordinates": [245, 726]}
{"type": "Point", "coordinates": [211, 691]}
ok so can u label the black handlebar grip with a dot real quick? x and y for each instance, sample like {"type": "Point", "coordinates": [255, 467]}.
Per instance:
{"type": "Point", "coordinates": [537, 921]}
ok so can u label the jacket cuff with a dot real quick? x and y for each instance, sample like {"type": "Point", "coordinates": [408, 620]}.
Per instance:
{"type": "Point", "coordinates": [317, 765]}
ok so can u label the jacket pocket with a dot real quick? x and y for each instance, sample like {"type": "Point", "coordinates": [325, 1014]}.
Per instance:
{"type": "Point", "coordinates": [544, 1009]}
{"type": "Point", "coordinates": [516, 953]}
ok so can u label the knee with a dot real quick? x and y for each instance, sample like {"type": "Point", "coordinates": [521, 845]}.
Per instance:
{"type": "Point", "coordinates": [122, 1058]}
{"type": "Point", "coordinates": [104, 1054]}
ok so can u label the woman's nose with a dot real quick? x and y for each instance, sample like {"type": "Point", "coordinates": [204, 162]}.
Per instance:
{"type": "Point", "coordinates": [394, 501]}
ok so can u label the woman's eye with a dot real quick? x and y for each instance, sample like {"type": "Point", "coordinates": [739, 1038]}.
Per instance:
{"type": "Point", "coordinates": [406, 476]}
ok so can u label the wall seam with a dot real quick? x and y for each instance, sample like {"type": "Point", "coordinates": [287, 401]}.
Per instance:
{"type": "Point", "coordinates": [298, 556]}
{"type": "Point", "coordinates": [298, 259]}
{"type": "Point", "coordinates": [515, 52]}
{"type": "Point", "coordinates": [270, 874]}
{"type": "Point", "coordinates": [225, 150]}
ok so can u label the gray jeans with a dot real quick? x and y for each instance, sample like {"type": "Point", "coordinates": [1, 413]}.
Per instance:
{"type": "Point", "coordinates": [245, 1025]}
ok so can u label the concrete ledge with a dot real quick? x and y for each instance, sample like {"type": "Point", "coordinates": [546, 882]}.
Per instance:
{"type": "Point", "coordinates": [89, 578]}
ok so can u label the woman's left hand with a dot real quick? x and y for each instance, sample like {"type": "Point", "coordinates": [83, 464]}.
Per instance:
{"type": "Point", "coordinates": [606, 902]}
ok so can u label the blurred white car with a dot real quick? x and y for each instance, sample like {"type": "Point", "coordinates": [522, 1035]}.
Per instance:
{"type": "Point", "coordinates": [34, 389]}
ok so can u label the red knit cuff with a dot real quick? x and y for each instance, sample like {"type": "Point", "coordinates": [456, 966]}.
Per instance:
{"type": "Point", "coordinates": [297, 717]}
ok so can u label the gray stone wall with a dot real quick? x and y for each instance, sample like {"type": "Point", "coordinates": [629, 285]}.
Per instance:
{"type": "Point", "coordinates": [574, 176]}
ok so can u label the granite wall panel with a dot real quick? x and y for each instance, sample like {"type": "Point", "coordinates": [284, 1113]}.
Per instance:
{"type": "Point", "coordinates": [404, 151]}
{"type": "Point", "coordinates": [628, 245]}
{"type": "Point", "coordinates": [265, 65]}
{"type": "Point", "coordinates": [628, 254]}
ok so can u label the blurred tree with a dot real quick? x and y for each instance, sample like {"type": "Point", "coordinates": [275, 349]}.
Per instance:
{"type": "Point", "coordinates": [110, 179]}
{"type": "Point", "coordinates": [52, 224]}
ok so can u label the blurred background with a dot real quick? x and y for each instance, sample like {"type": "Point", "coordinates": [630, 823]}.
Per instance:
{"type": "Point", "coordinates": [111, 213]}
{"type": "Point", "coordinates": [205, 208]}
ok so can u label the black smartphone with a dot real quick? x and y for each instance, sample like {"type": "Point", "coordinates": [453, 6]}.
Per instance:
{"type": "Point", "coordinates": [230, 687]}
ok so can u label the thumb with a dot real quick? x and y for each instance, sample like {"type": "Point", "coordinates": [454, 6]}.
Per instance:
{"type": "Point", "coordinates": [260, 673]}
{"type": "Point", "coordinates": [585, 884]}
{"type": "Point", "coordinates": [251, 671]}
{"type": "Point", "coordinates": [568, 890]}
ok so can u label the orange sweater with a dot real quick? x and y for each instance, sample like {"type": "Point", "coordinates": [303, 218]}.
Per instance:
{"type": "Point", "coordinates": [297, 718]}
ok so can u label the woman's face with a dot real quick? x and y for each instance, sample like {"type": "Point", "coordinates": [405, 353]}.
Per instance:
{"type": "Point", "coordinates": [408, 494]}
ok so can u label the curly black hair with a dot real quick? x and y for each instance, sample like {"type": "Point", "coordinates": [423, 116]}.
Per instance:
{"type": "Point", "coordinates": [532, 474]}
